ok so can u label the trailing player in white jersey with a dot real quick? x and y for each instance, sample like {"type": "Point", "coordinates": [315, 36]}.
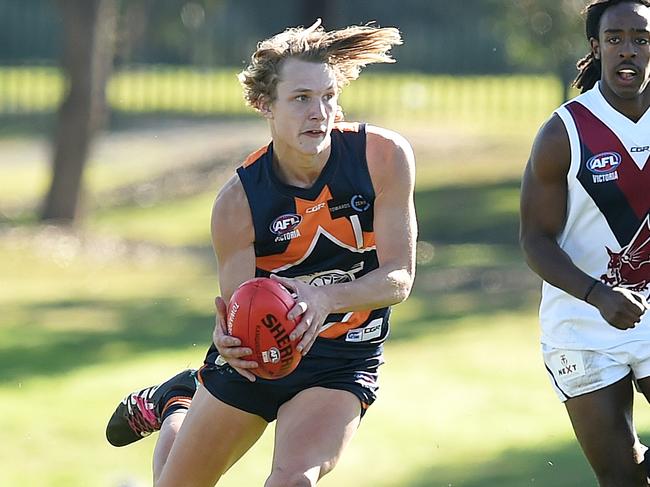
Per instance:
{"type": "Point", "coordinates": [585, 229]}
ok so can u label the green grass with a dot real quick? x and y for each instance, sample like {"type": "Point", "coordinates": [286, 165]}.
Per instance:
{"type": "Point", "coordinates": [152, 223]}
{"type": "Point", "coordinates": [464, 397]}
{"type": "Point", "coordinates": [21, 184]}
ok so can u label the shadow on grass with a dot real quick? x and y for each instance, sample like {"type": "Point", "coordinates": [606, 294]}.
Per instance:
{"type": "Point", "coordinates": [475, 213]}
{"type": "Point", "coordinates": [52, 338]}
{"type": "Point", "coordinates": [442, 311]}
{"type": "Point", "coordinates": [561, 466]}
{"type": "Point", "coordinates": [133, 329]}
{"type": "Point", "coordinates": [485, 216]}
{"type": "Point", "coordinates": [481, 213]}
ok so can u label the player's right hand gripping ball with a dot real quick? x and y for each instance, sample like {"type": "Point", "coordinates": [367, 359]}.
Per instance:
{"type": "Point", "coordinates": [257, 315]}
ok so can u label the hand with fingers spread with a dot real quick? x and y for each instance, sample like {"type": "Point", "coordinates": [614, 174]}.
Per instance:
{"type": "Point", "coordinates": [621, 307]}
{"type": "Point", "coordinates": [311, 309]}
{"type": "Point", "coordinates": [229, 347]}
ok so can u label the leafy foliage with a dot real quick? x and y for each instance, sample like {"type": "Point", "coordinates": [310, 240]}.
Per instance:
{"type": "Point", "coordinates": [543, 35]}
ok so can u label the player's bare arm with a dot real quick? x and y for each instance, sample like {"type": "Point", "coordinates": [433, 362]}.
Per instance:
{"type": "Point", "coordinates": [543, 210]}
{"type": "Point", "coordinates": [232, 239]}
{"type": "Point", "coordinates": [392, 170]}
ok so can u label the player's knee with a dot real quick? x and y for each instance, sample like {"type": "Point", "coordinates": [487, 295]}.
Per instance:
{"type": "Point", "coordinates": [299, 477]}
{"type": "Point", "coordinates": [327, 467]}
{"type": "Point", "coordinates": [283, 478]}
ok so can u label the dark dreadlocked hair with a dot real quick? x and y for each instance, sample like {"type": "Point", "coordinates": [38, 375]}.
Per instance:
{"type": "Point", "coordinates": [589, 66]}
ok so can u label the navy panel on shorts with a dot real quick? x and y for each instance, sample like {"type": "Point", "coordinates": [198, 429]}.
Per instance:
{"type": "Point", "coordinates": [264, 397]}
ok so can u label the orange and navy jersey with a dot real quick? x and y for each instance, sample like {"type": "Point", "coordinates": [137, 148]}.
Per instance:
{"type": "Point", "coordinates": [321, 235]}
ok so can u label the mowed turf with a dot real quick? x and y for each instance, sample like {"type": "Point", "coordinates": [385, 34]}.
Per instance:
{"type": "Point", "coordinates": [464, 400]}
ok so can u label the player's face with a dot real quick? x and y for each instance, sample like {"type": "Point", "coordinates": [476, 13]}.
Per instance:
{"type": "Point", "coordinates": [303, 111]}
{"type": "Point", "coordinates": [623, 47]}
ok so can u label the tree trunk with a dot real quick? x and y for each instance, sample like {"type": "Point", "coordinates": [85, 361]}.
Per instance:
{"type": "Point", "coordinates": [89, 31]}
{"type": "Point", "coordinates": [567, 74]}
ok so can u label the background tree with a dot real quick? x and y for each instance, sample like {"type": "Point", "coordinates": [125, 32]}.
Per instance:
{"type": "Point", "coordinates": [172, 32]}
{"type": "Point", "coordinates": [89, 32]}
{"type": "Point", "coordinates": [544, 35]}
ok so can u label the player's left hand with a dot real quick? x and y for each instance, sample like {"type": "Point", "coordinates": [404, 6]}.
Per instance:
{"type": "Point", "coordinates": [312, 307]}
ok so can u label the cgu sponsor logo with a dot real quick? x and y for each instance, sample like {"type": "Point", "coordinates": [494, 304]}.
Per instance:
{"type": "Point", "coordinates": [644, 148]}
{"type": "Point", "coordinates": [371, 331]}
{"type": "Point", "coordinates": [314, 209]}
{"type": "Point", "coordinates": [285, 223]}
{"type": "Point", "coordinates": [604, 163]}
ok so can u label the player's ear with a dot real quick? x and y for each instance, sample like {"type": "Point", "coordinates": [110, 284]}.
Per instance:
{"type": "Point", "coordinates": [340, 116]}
{"type": "Point", "coordinates": [595, 47]}
{"type": "Point", "coordinates": [264, 107]}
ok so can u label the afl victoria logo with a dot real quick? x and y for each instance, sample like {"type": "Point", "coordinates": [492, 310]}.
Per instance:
{"type": "Point", "coordinates": [285, 223]}
{"type": "Point", "coordinates": [604, 162]}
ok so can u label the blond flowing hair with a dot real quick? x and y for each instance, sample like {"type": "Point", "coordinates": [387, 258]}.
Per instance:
{"type": "Point", "coordinates": [346, 51]}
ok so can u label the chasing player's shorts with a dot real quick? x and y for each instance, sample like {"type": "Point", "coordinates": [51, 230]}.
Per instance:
{"type": "Point", "coordinates": [264, 397]}
{"type": "Point", "coordinates": [577, 372]}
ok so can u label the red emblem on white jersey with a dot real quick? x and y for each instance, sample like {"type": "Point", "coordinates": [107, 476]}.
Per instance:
{"type": "Point", "coordinates": [630, 268]}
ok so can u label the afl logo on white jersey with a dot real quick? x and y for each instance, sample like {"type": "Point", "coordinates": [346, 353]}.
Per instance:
{"type": "Point", "coordinates": [604, 163]}
{"type": "Point", "coordinates": [603, 166]}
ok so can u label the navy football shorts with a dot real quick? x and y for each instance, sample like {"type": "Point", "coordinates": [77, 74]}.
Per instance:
{"type": "Point", "coordinates": [264, 397]}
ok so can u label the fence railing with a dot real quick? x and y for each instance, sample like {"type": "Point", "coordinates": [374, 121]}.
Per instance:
{"type": "Point", "coordinates": [509, 101]}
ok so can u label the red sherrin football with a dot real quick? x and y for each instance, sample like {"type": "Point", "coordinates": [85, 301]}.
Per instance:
{"type": "Point", "coordinates": [257, 315]}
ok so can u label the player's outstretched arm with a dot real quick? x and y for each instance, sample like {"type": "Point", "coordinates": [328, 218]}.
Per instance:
{"type": "Point", "coordinates": [232, 239]}
{"type": "Point", "coordinates": [391, 163]}
{"type": "Point", "coordinates": [542, 218]}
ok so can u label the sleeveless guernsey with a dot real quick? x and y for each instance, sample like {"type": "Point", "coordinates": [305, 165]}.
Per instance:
{"type": "Point", "coordinates": [321, 235]}
{"type": "Point", "coordinates": [607, 229]}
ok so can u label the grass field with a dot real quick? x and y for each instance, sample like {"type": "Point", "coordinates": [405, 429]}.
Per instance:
{"type": "Point", "coordinates": [92, 314]}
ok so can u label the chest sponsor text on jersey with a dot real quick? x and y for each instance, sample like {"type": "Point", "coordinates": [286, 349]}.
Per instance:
{"type": "Point", "coordinates": [358, 203]}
